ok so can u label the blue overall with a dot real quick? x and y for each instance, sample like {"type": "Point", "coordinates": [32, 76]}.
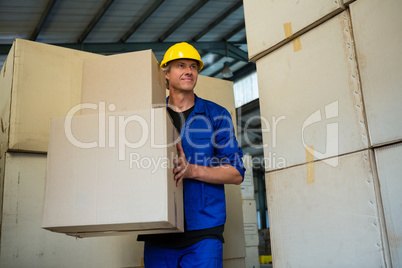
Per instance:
{"type": "Point", "coordinates": [204, 254]}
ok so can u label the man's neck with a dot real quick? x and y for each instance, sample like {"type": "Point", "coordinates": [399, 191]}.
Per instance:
{"type": "Point", "coordinates": [181, 101]}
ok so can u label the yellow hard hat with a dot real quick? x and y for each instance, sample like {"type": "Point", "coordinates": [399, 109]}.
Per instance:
{"type": "Point", "coordinates": [182, 51]}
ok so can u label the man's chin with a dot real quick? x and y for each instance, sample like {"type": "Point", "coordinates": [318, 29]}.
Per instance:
{"type": "Point", "coordinates": [188, 87]}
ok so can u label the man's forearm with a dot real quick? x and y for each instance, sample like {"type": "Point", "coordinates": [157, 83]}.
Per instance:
{"type": "Point", "coordinates": [225, 174]}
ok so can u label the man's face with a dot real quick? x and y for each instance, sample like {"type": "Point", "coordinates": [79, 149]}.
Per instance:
{"type": "Point", "coordinates": [183, 75]}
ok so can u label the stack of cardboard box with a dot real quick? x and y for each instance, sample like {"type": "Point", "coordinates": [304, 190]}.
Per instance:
{"type": "Point", "coordinates": [315, 63]}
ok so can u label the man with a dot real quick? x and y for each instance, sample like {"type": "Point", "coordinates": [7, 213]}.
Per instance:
{"type": "Point", "coordinates": [208, 158]}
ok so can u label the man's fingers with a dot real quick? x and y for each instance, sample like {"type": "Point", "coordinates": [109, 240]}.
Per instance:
{"type": "Point", "coordinates": [180, 151]}
{"type": "Point", "coordinates": [178, 177]}
{"type": "Point", "coordinates": [181, 165]}
{"type": "Point", "coordinates": [180, 169]}
{"type": "Point", "coordinates": [178, 181]}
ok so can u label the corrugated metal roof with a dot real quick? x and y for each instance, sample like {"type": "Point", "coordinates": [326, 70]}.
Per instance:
{"type": "Point", "coordinates": [214, 27]}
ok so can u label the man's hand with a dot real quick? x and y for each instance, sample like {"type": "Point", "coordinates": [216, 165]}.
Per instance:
{"type": "Point", "coordinates": [225, 174]}
{"type": "Point", "coordinates": [182, 168]}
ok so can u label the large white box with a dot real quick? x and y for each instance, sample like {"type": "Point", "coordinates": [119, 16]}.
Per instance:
{"type": "Point", "coordinates": [251, 234]}
{"type": "Point", "coordinates": [113, 173]}
{"type": "Point", "coordinates": [25, 244]}
{"type": "Point", "coordinates": [252, 258]}
{"type": "Point", "coordinates": [234, 246]}
{"type": "Point", "coordinates": [327, 216]}
{"type": "Point", "coordinates": [270, 24]}
{"type": "Point", "coordinates": [390, 176]}
{"type": "Point", "coordinates": [249, 211]}
{"type": "Point", "coordinates": [377, 28]}
{"type": "Point", "coordinates": [310, 100]}
{"type": "Point", "coordinates": [250, 222]}
{"type": "Point", "coordinates": [37, 82]}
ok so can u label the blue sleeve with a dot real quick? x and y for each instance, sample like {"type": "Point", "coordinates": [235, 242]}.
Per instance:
{"type": "Point", "coordinates": [227, 149]}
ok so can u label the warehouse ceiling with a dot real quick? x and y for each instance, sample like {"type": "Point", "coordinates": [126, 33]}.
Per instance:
{"type": "Point", "coordinates": [215, 27]}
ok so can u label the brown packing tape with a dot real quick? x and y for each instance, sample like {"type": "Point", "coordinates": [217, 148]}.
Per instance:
{"type": "Point", "coordinates": [288, 30]}
{"type": "Point", "coordinates": [289, 35]}
{"type": "Point", "coordinates": [296, 44]}
{"type": "Point", "coordinates": [310, 164]}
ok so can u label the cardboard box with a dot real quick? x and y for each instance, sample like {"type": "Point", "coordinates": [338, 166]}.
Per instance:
{"type": "Point", "coordinates": [250, 223]}
{"type": "Point", "coordinates": [234, 230]}
{"type": "Point", "coordinates": [123, 82]}
{"type": "Point", "coordinates": [390, 177]}
{"type": "Point", "coordinates": [234, 263]}
{"type": "Point", "coordinates": [316, 209]}
{"type": "Point", "coordinates": [252, 258]}
{"type": "Point", "coordinates": [378, 35]}
{"type": "Point", "coordinates": [348, 2]}
{"type": "Point", "coordinates": [247, 186]}
{"type": "Point", "coordinates": [37, 82]}
{"type": "Point", "coordinates": [271, 24]}
{"type": "Point", "coordinates": [25, 244]}
{"type": "Point", "coordinates": [219, 91]}
{"type": "Point", "coordinates": [251, 234]}
{"type": "Point", "coordinates": [249, 211]}
{"type": "Point", "coordinates": [113, 173]}
{"type": "Point", "coordinates": [310, 100]}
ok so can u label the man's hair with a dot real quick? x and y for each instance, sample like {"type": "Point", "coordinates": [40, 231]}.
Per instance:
{"type": "Point", "coordinates": [166, 68]}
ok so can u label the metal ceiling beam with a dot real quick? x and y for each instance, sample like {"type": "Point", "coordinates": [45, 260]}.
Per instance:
{"type": "Point", "coordinates": [216, 59]}
{"type": "Point", "coordinates": [95, 20]}
{"type": "Point", "coordinates": [230, 50]}
{"type": "Point", "coordinates": [182, 19]}
{"type": "Point", "coordinates": [217, 21]}
{"type": "Point", "coordinates": [236, 53]}
{"type": "Point", "coordinates": [103, 48]}
{"type": "Point", "coordinates": [240, 27]}
{"type": "Point", "coordinates": [233, 50]}
{"type": "Point", "coordinates": [42, 20]}
{"type": "Point", "coordinates": [141, 20]}
{"type": "Point", "coordinates": [250, 67]}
